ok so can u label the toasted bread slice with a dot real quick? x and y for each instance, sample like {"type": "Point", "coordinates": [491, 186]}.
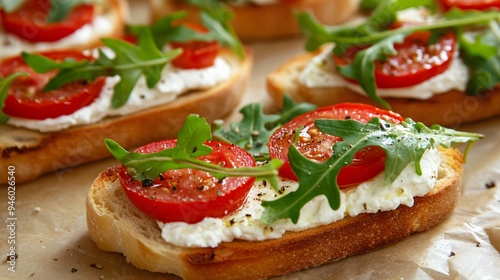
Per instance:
{"type": "Point", "coordinates": [116, 225]}
{"type": "Point", "coordinates": [448, 109]}
{"type": "Point", "coordinates": [268, 21]}
{"type": "Point", "coordinates": [34, 153]}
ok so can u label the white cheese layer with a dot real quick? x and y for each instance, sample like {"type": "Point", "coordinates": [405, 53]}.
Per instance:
{"type": "Point", "coordinates": [369, 197]}
{"type": "Point", "coordinates": [101, 26]}
{"type": "Point", "coordinates": [321, 72]}
{"type": "Point", "coordinates": [173, 83]}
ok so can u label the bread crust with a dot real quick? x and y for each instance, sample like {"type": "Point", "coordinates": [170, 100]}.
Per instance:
{"type": "Point", "coordinates": [451, 109]}
{"type": "Point", "coordinates": [35, 153]}
{"type": "Point", "coordinates": [116, 225]}
{"type": "Point", "coordinates": [114, 10]}
{"type": "Point", "coordinates": [258, 22]}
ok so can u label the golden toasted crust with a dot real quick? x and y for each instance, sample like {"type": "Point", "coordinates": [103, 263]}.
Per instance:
{"type": "Point", "coordinates": [34, 153]}
{"type": "Point", "coordinates": [255, 22]}
{"type": "Point", "coordinates": [448, 109]}
{"type": "Point", "coordinates": [116, 225]}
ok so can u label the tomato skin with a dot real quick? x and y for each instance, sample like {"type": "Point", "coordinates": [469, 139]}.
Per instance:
{"type": "Point", "coordinates": [427, 61]}
{"type": "Point", "coordinates": [195, 54]}
{"type": "Point", "coordinates": [471, 4]}
{"type": "Point", "coordinates": [30, 21]}
{"type": "Point", "coordinates": [316, 145]}
{"type": "Point", "coordinates": [27, 100]}
{"type": "Point", "coordinates": [172, 199]}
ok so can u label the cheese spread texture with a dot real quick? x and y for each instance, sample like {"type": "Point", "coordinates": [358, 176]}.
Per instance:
{"type": "Point", "coordinates": [101, 26]}
{"type": "Point", "coordinates": [173, 83]}
{"type": "Point", "coordinates": [369, 197]}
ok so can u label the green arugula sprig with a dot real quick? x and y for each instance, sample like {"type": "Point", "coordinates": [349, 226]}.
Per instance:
{"type": "Point", "coordinates": [214, 16]}
{"type": "Point", "coordinates": [403, 144]}
{"type": "Point", "coordinates": [374, 32]}
{"type": "Point", "coordinates": [129, 62]}
{"type": "Point", "coordinates": [4, 91]}
{"type": "Point", "coordinates": [255, 128]}
{"type": "Point", "coordinates": [190, 145]}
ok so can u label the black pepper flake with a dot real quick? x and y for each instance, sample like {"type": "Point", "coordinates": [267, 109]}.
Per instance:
{"type": "Point", "coordinates": [174, 188]}
{"type": "Point", "coordinates": [161, 177]}
{"type": "Point", "coordinates": [478, 244]}
{"type": "Point", "coordinates": [201, 188]}
{"type": "Point", "coordinates": [96, 265]}
{"type": "Point", "coordinates": [452, 254]}
{"type": "Point", "coordinates": [212, 255]}
{"type": "Point", "coordinates": [195, 149]}
{"type": "Point", "coordinates": [55, 259]}
{"type": "Point", "coordinates": [73, 270]}
{"type": "Point", "coordinates": [490, 184]}
{"type": "Point", "coordinates": [348, 117]}
{"type": "Point", "coordinates": [264, 182]}
{"type": "Point", "coordinates": [231, 222]}
{"type": "Point", "coordinates": [147, 183]}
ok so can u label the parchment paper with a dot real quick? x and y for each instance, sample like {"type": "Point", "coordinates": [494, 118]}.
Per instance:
{"type": "Point", "coordinates": [52, 240]}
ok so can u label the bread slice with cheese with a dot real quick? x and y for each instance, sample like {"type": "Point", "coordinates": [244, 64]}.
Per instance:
{"type": "Point", "coordinates": [116, 225]}
{"type": "Point", "coordinates": [450, 109]}
{"type": "Point", "coordinates": [113, 13]}
{"type": "Point", "coordinates": [35, 153]}
{"type": "Point", "coordinates": [270, 20]}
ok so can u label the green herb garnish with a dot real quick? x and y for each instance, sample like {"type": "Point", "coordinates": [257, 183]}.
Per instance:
{"type": "Point", "coordinates": [403, 144]}
{"type": "Point", "coordinates": [190, 144]}
{"type": "Point", "coordinates": [373, 32]}
{"type": "Point", "coordinates": [129, 62]}
{"type": "Point", "coordinates": [4, 91]}
{"type": "Point", "coordinates": [253, 131]}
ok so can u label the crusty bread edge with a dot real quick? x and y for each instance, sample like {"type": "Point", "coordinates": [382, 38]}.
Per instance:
{"type": "Point", "coordinates": [59, 151]}
{"type": "Point", "coordinates": [108, 212]}
{"type": "Point", "coordinates": [451, 109]}
{"type": "Point", "coordinates": [258, 22]}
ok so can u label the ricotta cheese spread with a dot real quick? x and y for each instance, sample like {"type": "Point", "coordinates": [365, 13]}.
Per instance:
{"type": "Point", "coordinates": [173, 83]}
{"type": "Point", "coordinates": [369, 197]}
{"type": "Point", "coordinates": [101, 26]}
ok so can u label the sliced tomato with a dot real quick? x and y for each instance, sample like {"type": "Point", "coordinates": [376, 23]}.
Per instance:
{"type": "Point", "coordinates": [317, 145]}
{"type": "Point", "coordinates": [471, 4]}
{"type": "Point", "coordinates": [196, 54]}
{"type": "Point", "coordinates": [415, 62]}
{"type": "Point", "coordinates": [188, 195]}
{"type": "Point", "coordinates": [29, 22]}
{"type": "Point", "coordinates": [26, 98]}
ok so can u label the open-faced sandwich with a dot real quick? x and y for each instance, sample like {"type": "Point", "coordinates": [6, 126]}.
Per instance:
{"type": "Point", "coordinates": [57, 107]}
{"type": "Point", "coordinates": [433, 64]}
{"type": "Point", "coordinates": [265, 19]}
{"type": "Point", "coordinates": [295, 191]}
{"type": "Point", "coordinates": [43, 25]}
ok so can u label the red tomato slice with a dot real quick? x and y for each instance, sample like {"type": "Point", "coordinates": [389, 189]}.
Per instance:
{"type": "Point", "coordinates": [188, 195]}
{"type": "Point", "coordinates": [317, 145]}
{"type": "Point", "coordinates": [30, 21]}
{"type": "Point", "coordinates": [195, 54]}
{"type": "Point", "coordinates": [471, 4]}
{"type": "Point", "coordinates": [27, 100]}
{"type": "Point", "coordinates": [415, 62]}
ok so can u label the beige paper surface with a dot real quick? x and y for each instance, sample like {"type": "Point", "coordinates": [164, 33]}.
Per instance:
{"type": "Point", "coordinates": [52, 241]}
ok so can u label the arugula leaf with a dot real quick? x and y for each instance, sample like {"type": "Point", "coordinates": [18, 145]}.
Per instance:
{"type": "Point", "coordinates": [59, 9]}
{"type": "Point", "coordinates": [214, 16]}
{"type": "Point", "coordinates": [130, 62]}
{"type": "Point", "coordinates": [253, 131]}
{"type": "Point", "coordinates": [4, 91]}
{"type": "Point", "coordinates": [190, 144]}
{"type": "Point", "coordinates": [362, 68]}
{"type": "Point", "coordinates": [403, 144]}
